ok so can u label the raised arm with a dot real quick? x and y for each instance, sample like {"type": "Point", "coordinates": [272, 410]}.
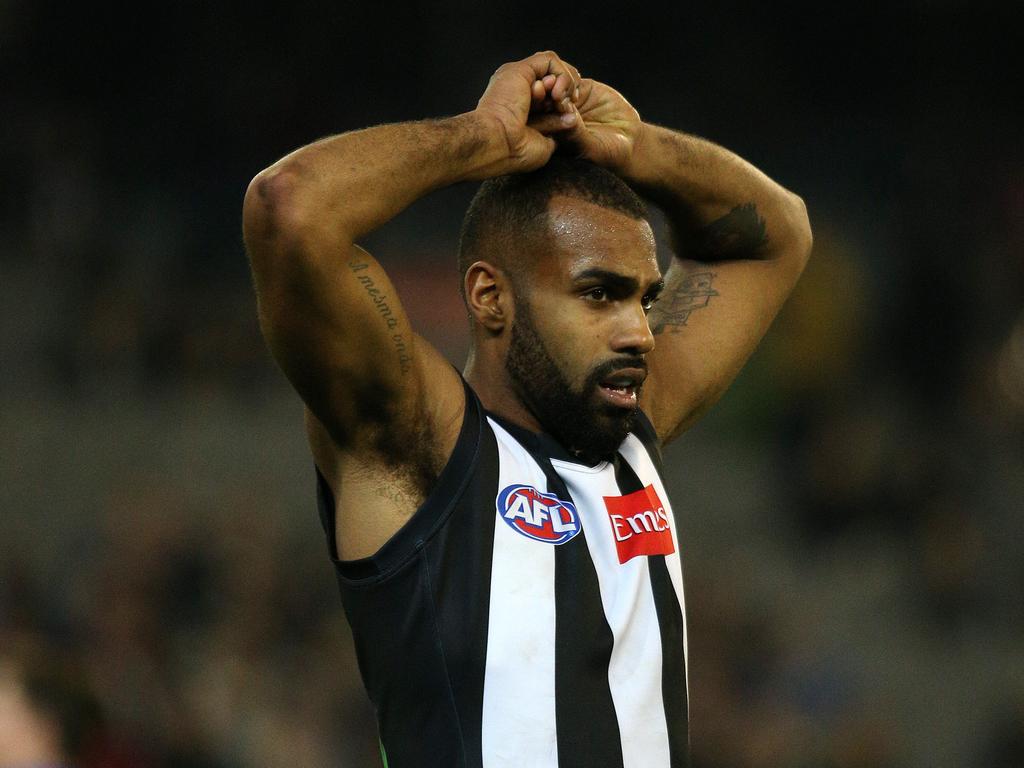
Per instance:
{"type": "Point", "coordinates": [740, 241]}
{"type": "Point", "coordinates": [329, 313]}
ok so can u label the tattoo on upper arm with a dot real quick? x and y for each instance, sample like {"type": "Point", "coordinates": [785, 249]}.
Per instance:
{"type": "Point", "coordinates": [380, 301]}
{"type": "Point", "coordinates": [673, 309]}
{"type": "Point", "coordinates": [739, 234]}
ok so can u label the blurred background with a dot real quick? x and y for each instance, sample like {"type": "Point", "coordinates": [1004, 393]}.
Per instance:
{"type": "Point", "coordinates": [853, 510]}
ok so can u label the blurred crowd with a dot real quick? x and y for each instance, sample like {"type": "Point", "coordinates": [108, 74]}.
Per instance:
{"type": "Point", "coordinates": [182, 637]}
{"type": "Point", "coordinates": [853, 509]}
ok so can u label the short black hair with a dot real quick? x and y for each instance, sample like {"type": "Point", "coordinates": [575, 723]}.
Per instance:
{"type": "Point", "coordinates": [507, 210]}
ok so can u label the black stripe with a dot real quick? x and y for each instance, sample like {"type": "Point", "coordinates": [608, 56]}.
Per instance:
{"type": "Point", "coordinates": [587, 728]}
{"type": "Point", "coordinates": [459, 562]}
{"type": "Point", "coordinates": [646, 434]}
{"type": "Point", "coordinates": [670, 623]}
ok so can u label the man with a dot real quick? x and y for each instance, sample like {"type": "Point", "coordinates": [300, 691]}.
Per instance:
{"type": "Point", "coordinates": [506, 552]}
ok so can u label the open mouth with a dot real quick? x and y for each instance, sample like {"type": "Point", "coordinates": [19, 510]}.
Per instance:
{"type": "Point", "coordinates": [623, 387]}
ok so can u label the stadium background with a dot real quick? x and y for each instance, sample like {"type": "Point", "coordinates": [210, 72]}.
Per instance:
{"type": "Point", "coordinates": [853, 510]}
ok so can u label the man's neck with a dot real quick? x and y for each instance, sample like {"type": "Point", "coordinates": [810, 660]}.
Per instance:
{"type": "Point", "coordinates": [492, 385]}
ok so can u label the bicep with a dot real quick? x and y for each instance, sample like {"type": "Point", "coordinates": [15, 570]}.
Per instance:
{"type": "Point", "coordinates": [335, 325]}
{"type": "Point", "coordinates": [708, 321]}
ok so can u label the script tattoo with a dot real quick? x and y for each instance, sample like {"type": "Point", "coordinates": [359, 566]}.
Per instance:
{"type": "Point", "coordinates": [380, 301]}
{"type": "Point", "coordinates": [737, 235]}
{"type": "Point", "coordinates": [673, 309]}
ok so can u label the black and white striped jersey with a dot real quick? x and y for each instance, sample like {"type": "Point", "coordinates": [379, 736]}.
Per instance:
{"type": "Point", "coordinates": [530, 614]}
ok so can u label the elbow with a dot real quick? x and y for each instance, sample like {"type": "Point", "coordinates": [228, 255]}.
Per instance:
{"type": "Point", "coordinates": [800, 225]}
{"type": "Point", "coordinates": [793, 239]}
{"type": "Point", "coordinates": [278, 223]}
{"type": "Point", "coordinates": [273, 204]}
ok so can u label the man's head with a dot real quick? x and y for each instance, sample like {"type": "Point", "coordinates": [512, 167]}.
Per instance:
{"type": "Point", "coordinates": [509, 214]}
{"type": "Point", "coordinates": [559, 268]}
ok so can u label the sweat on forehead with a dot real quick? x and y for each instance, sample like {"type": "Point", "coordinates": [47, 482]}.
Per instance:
{"type": "Point", "coordinates": [507, 210]}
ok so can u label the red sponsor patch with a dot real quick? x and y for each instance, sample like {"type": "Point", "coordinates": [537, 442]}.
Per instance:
{"type": "Point", "coordinates": [640, 524]}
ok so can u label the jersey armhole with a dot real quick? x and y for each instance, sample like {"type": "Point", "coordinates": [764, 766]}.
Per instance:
{"type": "Point", "coordinates": [408, 539]}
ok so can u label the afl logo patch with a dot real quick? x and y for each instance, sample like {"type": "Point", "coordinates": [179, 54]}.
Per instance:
{"type": "Point", "coordinates": [538, 516]}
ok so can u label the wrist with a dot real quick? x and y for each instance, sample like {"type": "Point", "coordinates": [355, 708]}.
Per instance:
{"type": "Point", "coordinates": [486, 145]}
{"type": "Point", "coordinates": [636, 169]}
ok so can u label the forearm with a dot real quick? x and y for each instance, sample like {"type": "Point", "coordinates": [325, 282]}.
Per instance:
{"type": "Point", "coordinates": [719, 206]}
{"type": "Point", "coordinates": [345, 186]}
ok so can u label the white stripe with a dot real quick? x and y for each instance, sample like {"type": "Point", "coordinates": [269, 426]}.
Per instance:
{"type": "Point", "coordinates": [634, 452]}
{"type": "Point", "coordinates": [634, 670]}
{"type": "Point", "coordinates": [519, 716]}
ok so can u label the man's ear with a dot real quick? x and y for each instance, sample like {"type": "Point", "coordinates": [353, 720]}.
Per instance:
{"type": "Point", "coordinates": [489, 296]}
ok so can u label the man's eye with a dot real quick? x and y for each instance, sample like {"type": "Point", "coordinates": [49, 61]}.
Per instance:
{"type": "Point", "coordinates": [597, 294]}
{"type": "Point", "coordinates": [648, 302]}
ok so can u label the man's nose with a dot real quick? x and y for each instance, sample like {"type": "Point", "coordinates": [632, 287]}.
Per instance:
{"type": "Point", "coordinates": [633, 332]}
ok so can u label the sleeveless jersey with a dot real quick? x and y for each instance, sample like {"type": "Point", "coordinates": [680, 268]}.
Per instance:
{"type": "Point", "coordinates": [530, 614]}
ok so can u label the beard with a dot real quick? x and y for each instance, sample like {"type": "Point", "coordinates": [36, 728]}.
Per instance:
{"type": "Point", "coordinates": [588, 427]}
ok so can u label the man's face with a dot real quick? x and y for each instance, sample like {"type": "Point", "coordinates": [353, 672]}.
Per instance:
{"type": "Point", "coordinates": [580, 335]}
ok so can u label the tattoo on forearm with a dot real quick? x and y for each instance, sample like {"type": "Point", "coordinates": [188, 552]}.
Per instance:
{"type": "Point", "coordinates": [739, 234]}
{"type": "Point", "coordinates": [673, 309]}
{"type": "Point", "coordinates": [380, 301]}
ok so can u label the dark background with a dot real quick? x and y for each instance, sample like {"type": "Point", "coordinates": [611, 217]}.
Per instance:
{"type": "Point", "coordinates": [853, 510]}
